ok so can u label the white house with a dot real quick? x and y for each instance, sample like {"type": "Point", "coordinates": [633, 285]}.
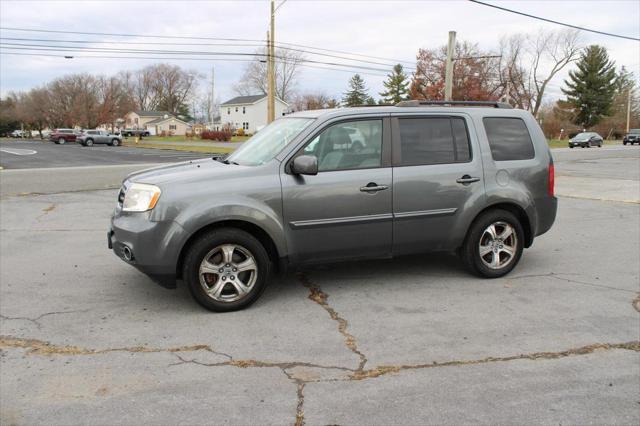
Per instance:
{"type": "Point", "coordinates": [249, 112]}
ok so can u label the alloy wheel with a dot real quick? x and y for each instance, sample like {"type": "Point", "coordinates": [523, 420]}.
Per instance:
{"type": "Point", "coordinates": [498, 245]}
{"type": "Point", "coordinates": [228, 273]}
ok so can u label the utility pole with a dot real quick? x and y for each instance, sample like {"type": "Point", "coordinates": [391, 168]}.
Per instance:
{"type": "Point", "coordinates": [212, 101]}
{"type": "Point", "coordinates": [628, 108]}
{"type": "Point", "coordinates": [271, 72]}
{"type": "Point", "coordinates": [508, 89]}
{"type": "Point", "coordinates": [448, 78]}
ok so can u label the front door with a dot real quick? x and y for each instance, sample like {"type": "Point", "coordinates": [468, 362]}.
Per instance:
{"type": "Point", "coordinates": [343, 212]}
{"type": "Point", "coordinates": [437, 172]}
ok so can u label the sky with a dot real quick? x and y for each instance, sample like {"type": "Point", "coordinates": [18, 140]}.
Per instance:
{"type": "Point", "coordinates": [393, 30]}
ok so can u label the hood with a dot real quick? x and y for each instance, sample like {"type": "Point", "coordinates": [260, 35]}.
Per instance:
{"type": "Point", "coordinates": [185, 171]}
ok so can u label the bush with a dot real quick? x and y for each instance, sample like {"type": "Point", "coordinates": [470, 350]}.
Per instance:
{"type": "Point", "coordinates": [240, 132]}
{"type": "Point", "coordinates": [221, 136]}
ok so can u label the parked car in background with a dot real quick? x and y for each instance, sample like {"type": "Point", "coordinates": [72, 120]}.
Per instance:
{"type": "Point", "coordinates": [632, 137]}
{"type": "Point", "coordinates": [62, 136]}
{"type": "Point", "coordinates": [586, 140]}
{"type": "Point", "coordinates": [134, 132]}
{"type": "Point", "coordinates": [89, 137]}
{"type": "Point", "coordinates": [20, 134]}
{"type": "Point", "coordinates": [432, 176]}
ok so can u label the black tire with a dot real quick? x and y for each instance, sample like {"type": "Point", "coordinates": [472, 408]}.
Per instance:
{"type": "Point", "coordinates": [88, 142]}
{"type": "Point", "coordinates": [210, 241]}
{"type": "Point", "coordinates": [624, 142]}
{"type": "Point", "coordinates": [571, 146]}
{"type": "Point", "coordinates": [470, 251]}
{"type": "Point", "coordinates": [115, 142]}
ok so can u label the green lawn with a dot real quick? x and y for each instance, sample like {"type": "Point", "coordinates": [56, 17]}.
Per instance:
{"type": "Point", "coordinates": [556, 143]}
{"type": "Point", "coordinates": [181, 139]}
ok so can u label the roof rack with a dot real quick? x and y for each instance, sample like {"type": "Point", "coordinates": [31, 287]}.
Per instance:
{"type": "Point", "coordinates": [493, 104]}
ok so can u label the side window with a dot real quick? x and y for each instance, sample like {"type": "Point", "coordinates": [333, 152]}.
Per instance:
{"type": "Point", "coordinates": [509, 139]}
{"type": "Point", "coordinates": [348, 145]}
{"type": "Point", "coordinates": [433, 140]}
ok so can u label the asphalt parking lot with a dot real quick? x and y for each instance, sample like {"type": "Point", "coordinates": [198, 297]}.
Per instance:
{"type": "Point", "coordinates": [86, 339]}
{"type": "Point", "coordinates": [29, 154]}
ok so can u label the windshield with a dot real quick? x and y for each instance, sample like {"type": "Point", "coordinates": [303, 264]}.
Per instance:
{"type": "Point", "coordinates": [268, 142]}
{"type": "Point", "coordinates": [583, 135]}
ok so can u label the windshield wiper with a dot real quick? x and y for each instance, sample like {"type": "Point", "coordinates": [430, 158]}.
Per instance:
{"type": "Point", "coordinates": [230, 162]}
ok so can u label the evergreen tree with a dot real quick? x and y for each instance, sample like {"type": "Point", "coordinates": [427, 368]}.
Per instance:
{"type": "Point", "coordinates": [591, 88]}
{"type": "Point", "coordinates": [357, 94]}
{"type": "Point", "coordinates": [397, 86]}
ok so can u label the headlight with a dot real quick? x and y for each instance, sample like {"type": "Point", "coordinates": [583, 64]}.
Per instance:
{"type": "Point", "coordinates": [140, 197]}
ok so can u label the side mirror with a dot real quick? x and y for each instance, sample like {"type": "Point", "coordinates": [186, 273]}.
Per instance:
{"type": "Point", "coordinates": [305, 165]}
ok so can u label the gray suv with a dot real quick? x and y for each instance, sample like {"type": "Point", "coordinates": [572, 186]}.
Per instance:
{"type": "Point", "coordinates": [89, 137]}
{"type": "Point", "coordinates": [476, 178]}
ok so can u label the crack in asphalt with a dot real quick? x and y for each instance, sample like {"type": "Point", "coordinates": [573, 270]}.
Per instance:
{"type": "Point", "coordinates": [37, 319]}
{"type": "Point", "coordinates": [46, 211]}
{"type": "Point", "coordinates": [557, 276]}
{"type": "Point", "coordinates": [39, 347]}
{"type": "Point", "coordinates": [583, 350]}
{"type": "Point", "coordinates": [317, 295]}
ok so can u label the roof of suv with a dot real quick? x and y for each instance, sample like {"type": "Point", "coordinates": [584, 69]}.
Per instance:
{"type": "Point", "coordinates": [408, 107]}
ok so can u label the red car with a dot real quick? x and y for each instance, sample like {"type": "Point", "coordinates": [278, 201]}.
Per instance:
{"type": "Point", "coordinates": [60, 136]}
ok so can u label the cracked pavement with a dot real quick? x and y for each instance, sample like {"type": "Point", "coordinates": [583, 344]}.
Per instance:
{"type": "Point", "coordinates": [86, 339]}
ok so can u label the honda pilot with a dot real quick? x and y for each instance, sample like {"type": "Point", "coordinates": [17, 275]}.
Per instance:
{"type": "Point", "coordinates": [476, 178]}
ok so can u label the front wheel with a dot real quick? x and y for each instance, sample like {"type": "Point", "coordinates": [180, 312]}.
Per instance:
{"type": "Point", "coordinates": [494, 244]}
{"type": "Point", "coordinates": [88, 142]}
{"type": "Point", "coordinates": [61, 141]}
{"type": "Point", "coordinates": [115, 142]}
{"type": "Point", "coordinates": [226, 269]}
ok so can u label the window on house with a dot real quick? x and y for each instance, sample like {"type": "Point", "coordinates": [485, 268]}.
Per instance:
{"type": "Point", "coordinates": [135, 120]}
{"type": "Point", "coordinates": [236, 109]}
{"type": "Point", "coordinates": [172, 127]}
{"type": "Point", "coordinates": [244, 110]}
{"type": "Point", "coordinates": [228, 110]}
{"type": "Point", "coordinates": [245, 126]}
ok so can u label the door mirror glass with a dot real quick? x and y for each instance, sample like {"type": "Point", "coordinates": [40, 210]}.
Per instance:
{"type": "Point", "coordinates": [305, 165]}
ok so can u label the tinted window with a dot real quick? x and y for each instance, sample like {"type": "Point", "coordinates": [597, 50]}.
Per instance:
{"type": "Point", "coordinates": [509, 139]}
{"type": "Point", "coordinates": [433, 140]}
{"type": "Point", "coordinates": [348, 145]}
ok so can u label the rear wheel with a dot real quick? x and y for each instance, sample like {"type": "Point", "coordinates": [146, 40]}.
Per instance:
{"type": "Point", "coordinates": [88, 142]}
{"type": "Point", "coordinates": [115, 142]}
{"type": "Point", "coordinates": [494, 244]}
{"type": "Point", "coordinates": [61, 141]}
{"type": "Point", "coordinates": [226, 269]}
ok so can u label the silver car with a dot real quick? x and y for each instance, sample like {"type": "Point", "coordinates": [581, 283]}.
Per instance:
{"type": "Point", "coordinates": [89, 137]}
{"type": "Point", "coordinates": [471, 178]}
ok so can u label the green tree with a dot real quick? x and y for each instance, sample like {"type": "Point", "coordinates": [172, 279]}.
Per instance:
{"type": "Point", "coordinates": [357, 94]}
{"type": "Point", "coordinates": [591, 88]}
{"type": "Point", "coordinates": [397, 85]}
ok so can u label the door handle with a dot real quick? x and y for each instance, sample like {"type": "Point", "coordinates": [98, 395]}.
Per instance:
{"type": "Point", "coordinates": [466, 179]}
{"type": "Point", "coordinates": [373, 187]}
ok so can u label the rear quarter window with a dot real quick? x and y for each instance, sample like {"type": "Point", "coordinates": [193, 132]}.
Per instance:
{"type": "Point", "coordinates": [509, 139]}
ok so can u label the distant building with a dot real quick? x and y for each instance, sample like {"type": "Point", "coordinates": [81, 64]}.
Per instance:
{"type": "Point", "coordinates": [138, 119]}
{"type": "Point", "coordinates": [249, 112]}
{"type": "Point", "coordinates": [156, 122]}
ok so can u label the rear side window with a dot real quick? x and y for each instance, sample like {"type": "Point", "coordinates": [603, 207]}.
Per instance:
{"type": "Point", "coordinates": [509, 139]}
{"type": "Point", "coordinates": [433, 140]}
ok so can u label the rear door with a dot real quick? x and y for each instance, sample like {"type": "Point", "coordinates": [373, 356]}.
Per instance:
{"type": "Point", "coordinates": [344, 211]}
{"type": "Point", "coordinates": [437, 173]}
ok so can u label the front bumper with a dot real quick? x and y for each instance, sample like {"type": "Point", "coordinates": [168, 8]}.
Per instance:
{"type": "Point", "coordinates": [153, 246]}
{"type": "Point", "coordinates": [572, 144]}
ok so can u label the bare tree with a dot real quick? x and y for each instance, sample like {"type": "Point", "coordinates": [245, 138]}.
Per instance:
{"type": "Point", "coordinates": [254, 78]}
{"type": "Point", "coordinates": [309, 101]}
{"type": "Point", "coordinates": [513, 74]}
{"type": "Point", "coordinates": [550, 52]}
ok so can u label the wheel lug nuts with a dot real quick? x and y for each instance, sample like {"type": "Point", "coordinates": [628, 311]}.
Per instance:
{"type": "Point", "coordinates": [235, 269]}
{"type": "Point", "coordinates": [224, 278]}
{"type": "Point", "coordinates": [221, 270]}
{"type": "Point", "coordinates": [232, 277]}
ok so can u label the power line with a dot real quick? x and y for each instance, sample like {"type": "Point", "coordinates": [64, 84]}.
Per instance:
{"type": "Point", "coordinates": [43, 47]}
{"type": "Point", "coordinates": [552, 21]}
{"type": "Point", "coordinates": [191, 44]}
{"type": "Point", "coordinates": [279, 44]}
{"type": "Point", "coordinates": [218, 59]}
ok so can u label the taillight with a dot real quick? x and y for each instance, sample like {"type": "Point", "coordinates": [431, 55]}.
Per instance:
{"type": "Point", "coordinates": [552, 180]}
